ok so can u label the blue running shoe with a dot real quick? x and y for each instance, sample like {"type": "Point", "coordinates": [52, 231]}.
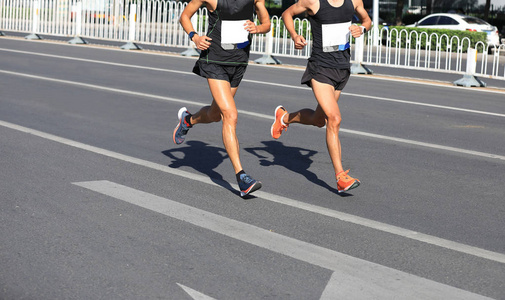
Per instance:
{"type": "Point", "coordinates": [248, 185]}
{"type": "Point", "coordinates": [182, 127]}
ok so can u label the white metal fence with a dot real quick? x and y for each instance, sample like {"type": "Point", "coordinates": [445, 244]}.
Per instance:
{"type": "Point", "coordinates": [458, 54]}
{"type": "Point", "coordinates": [156, 22]}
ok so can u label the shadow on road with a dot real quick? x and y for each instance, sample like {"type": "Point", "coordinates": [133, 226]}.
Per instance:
{"type": "Point", "coordinates": [201, 157]}
{"type": "Point", "coordinates": [294, 159]}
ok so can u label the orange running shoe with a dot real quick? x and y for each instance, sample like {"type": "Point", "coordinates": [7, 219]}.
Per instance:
{"type": "Point", "coordinates": [278, 126]}
{"type": "Point", "coordinates": [346, 182]}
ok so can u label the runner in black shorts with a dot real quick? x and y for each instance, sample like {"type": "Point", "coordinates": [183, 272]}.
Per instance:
{"type": "Point", "coordinates": [223, 60]}
{"type": "Point", "coordinates": [335, 77]}
{"type": "Point", "coordinates": [328, 71]}
{"type": "Point", "coordinates": [232, 74]}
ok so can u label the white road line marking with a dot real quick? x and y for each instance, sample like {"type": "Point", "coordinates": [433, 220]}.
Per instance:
{"type": "Point", "coordinates": [427, 145]}
{"type": "Point", "coordinates": [97, 61]}
{"type": "Point", "coordinates": [195, 294]}
{"type": "Point", "coordinates": [385, 99]}
{"type": "Point", "coordinates": [354, 276]}
{"type": "Point", "coordinates": [427, 105]}
{"type": "Point", "coordinates": [258, 115]}
{"type": "Point", "coordinates": [414, 235]}
{"type": "Point", "coordinates": [332, 288]}
{"type": "Point", "coordinates": [265, 83]}
{"type": "Point", "coordinates": [432, 240]}
{"type": "Point", "coordinates": [286, 67]}
{"type": "Point", "coordinates": [104, 88]}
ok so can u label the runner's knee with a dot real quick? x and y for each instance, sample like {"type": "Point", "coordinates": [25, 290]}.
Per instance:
{"type": "Point", "coordinates": [230, 116]}
{"type": "Point", "coordinates": [333, 122]}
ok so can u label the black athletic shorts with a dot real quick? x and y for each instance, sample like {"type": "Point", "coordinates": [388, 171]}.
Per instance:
{"type": "Point", "coordinates": [232, 74]}
{"type": "Point", "coordinates": [335, 77]}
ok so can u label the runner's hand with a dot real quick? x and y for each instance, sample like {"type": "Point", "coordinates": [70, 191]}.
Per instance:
{"type": "Point", "coordinates": [299, 42]}
{"type": "Point", "coordinates": [356, 31]}
{"type": "Point", "coordinates": [201, 42]}
{"type": "Point", "coordinates": [251, 27]}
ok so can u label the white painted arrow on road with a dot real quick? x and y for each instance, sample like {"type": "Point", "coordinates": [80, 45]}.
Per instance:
{"type": "Point", "coordinates": [352, 277]}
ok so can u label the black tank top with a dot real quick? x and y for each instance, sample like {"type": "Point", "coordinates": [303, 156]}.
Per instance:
{"type": "Point", "coordinates": [229, 10]}
{"type": "Point", "coordinates": [328, 14]}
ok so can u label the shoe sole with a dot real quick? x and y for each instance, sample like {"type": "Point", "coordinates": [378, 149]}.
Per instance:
{"type": "Point", "coordinates": [179, 115]}
{"type": "Point", "coordinates": [275, 120]}
{"type": "Point", "coordinates": [251, 189]}
{"type": "Point", "coordinates": [354, 185]}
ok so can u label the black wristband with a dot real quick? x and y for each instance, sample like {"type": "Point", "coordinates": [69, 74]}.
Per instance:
{"type": "Point", "coordinates": [191, 34]}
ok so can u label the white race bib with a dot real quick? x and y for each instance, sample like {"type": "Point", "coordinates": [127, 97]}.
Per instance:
{"type": "Point", "coordinates": [335, 35]}
{"type": "Point", "coordinates": [233, 33]}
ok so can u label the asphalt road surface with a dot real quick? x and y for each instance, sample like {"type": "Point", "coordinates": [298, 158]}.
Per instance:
{"type": "Point", "coordinates": [98, 203]}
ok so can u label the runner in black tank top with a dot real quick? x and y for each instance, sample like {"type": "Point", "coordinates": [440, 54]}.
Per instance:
{"type": "Point", "coordinates": [327, 71]}
{"type": "Point", "coordinates": [227, 10]}
{"type": "Point", "coordinates": [328, 14]}
{"type": "Point", "coordinates": [223, 61]}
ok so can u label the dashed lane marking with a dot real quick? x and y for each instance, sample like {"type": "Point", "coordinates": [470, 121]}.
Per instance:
{"type": "Point", "coordinates": [258, 115]}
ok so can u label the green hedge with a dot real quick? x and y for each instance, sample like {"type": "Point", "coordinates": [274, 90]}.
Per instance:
{"type": "Point", "coordinates": [473, 36]}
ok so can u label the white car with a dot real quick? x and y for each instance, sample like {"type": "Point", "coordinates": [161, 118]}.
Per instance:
{"type": "Point", "coordinates": [459, 22]}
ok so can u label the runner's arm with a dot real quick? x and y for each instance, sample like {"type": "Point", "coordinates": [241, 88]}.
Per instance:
{"type": "Point", "coordinates": [263, 17]}
{"type": "Point", "coordinates": [287, 16]}
{"type": "Point", "coordinates": [357, 31]}
{"type": "Point", "coordinates": [201, 42]}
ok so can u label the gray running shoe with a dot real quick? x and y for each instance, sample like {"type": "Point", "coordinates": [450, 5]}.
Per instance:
{"type": "Point", "coordinates": [248, 185]}
{"type": "Point", "coordinates": [182, 127]}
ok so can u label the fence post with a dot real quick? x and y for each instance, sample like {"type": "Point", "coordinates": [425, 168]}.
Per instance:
{"type": "Point", "coordinates": [267, 58]}
{"type": "Point", "coordinates": [469, 79]}
{"type": "Point", "coordinates": [77, 24]}
{"type": "Point", "coordinates": [357, 67]}
{"type": "Point", "coordinates": [191, 51]}
{"type": "Point", "coordinates": [35, 21]}
{"type": "Point", "coordinates": [131, 45]}
{"type": "Point", "coordinates": [2, 13]}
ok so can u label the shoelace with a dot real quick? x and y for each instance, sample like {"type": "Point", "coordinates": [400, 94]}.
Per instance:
{"type": "Point", "coordinates": [247, 179]}
{"type": "Point", "coordinates": [186, 124]}
{"type": "Point", "coordinates": [344, 176]}
{"type": "Point", "coordinates": [184, 127]}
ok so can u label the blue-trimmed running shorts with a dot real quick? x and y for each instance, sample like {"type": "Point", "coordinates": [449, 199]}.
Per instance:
{"type": "Point", "coordinates": [232, 74]}
{"type": "Point", "coordinates": [335, 77]}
